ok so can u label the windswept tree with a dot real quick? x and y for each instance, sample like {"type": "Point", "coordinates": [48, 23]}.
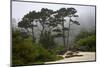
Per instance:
{"type": "Point", "coordinates": [44, 15]}
{"type": "Point", "coordinates": [71, 14]}
{"type": "Point", "coordinates": [45, 19]}
{"type": "Point", "coordinates": [50, 21]}
{"type": "Point", "coordinates": [28, 22]}
{"type": "Point", "coordinates": [61, 14]}
{"type": "Point", "coordinates": [60, 17]}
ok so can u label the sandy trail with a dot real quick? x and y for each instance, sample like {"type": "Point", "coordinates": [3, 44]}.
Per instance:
{"type": "Point", "coordinates": [87, 56]}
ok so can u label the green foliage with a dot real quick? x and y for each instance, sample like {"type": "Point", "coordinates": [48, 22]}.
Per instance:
{"type": "Point", "coordinates": [89, 42]}
{"type": "Point", "coordinates": [57, 30]}
{"type": "Point", "coordinates": [58, 49]}
{"type": "Point", "coordinates": [75, 22]}
{"type": "Point", "coordinates": [26, 52]}
{"type": "Point", "coordinates": [23, 50]}
{"type": "Point", "coordinates": [47, 41]}
{"type": "Point", "coordinates": [71, 11]}
{"type": "Point", "coordinates": [86, 40]}
{"type": "Point", "coordinates": [84, 33]}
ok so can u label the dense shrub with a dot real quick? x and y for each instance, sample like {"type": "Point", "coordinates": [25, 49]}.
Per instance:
{"type": "Point", "coordinates": [47, 40]}
{"type": "Point", "coordinates": [23, 51]}
{"type": "Point", "coordinates": [85, 40]}
{"type": "Point", "coordinates": [26, 52]}
{"type": "Point", "coordinates": [84, 33]}
{"type": "Point", "coordinates": [88, 42]}
{"type": "Point", "coordinates": [58, 49]}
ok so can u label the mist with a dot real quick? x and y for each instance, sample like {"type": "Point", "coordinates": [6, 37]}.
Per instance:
{"type": "Point", "coordinates": [86, 15]}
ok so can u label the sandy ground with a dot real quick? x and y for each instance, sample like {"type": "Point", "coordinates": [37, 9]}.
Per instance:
{"type": "Point", "coordinates": [87, 56]}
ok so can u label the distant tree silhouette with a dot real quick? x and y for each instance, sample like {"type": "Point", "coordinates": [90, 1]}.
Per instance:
{"type": "Point", "coordinates": [71, 13]}
{"type": "Point", "coordinates": [28, 22]}
{"type": "Point", "coordinates": [50, 21]}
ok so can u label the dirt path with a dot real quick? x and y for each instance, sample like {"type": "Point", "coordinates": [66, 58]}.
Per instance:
{"type": "Point", "coordinates": [87, 56]}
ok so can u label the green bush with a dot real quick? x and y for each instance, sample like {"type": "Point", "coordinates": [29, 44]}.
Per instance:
{"type": "Point", "coordinates": [23, 52]}
{"type": "Point", "coordinates": [26, 52]}
{"type": "Point", "coordinates": [47, 40]}
{"type": "Point", "coordinates": [58, 49]}
{"type": "Point", "coordinates": [84, 33]}
{"type": "Point", "coordinates": [89, 42]}
{"type": "Point", "coordinates": [86, 40]}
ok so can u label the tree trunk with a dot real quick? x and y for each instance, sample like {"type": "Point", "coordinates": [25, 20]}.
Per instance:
{"type": "Point", "coordinates": [63, 35]}
{"type": "Point", "coordinates": [68, 35]}
{"type": "Point", "coordinates": [33, 34]}
{"type": "Point", "coordinates": [42, 31]}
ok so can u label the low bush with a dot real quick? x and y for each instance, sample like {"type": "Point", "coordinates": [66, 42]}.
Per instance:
{"type": "Point", "coordinates": [26, 52]}
{"type": "Point", "coordinates": [89, 43]}
{"type": "Point", "coordinates": [58, 49]}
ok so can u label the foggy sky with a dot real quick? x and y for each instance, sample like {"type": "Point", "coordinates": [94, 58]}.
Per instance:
{"type": "Point", "coordinates": [86, 13]}
{"type": "Point", "coordinates": [19, 9]}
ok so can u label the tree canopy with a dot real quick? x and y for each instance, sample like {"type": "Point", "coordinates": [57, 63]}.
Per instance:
{"type": "Point", "coordinates": [50, 21]}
